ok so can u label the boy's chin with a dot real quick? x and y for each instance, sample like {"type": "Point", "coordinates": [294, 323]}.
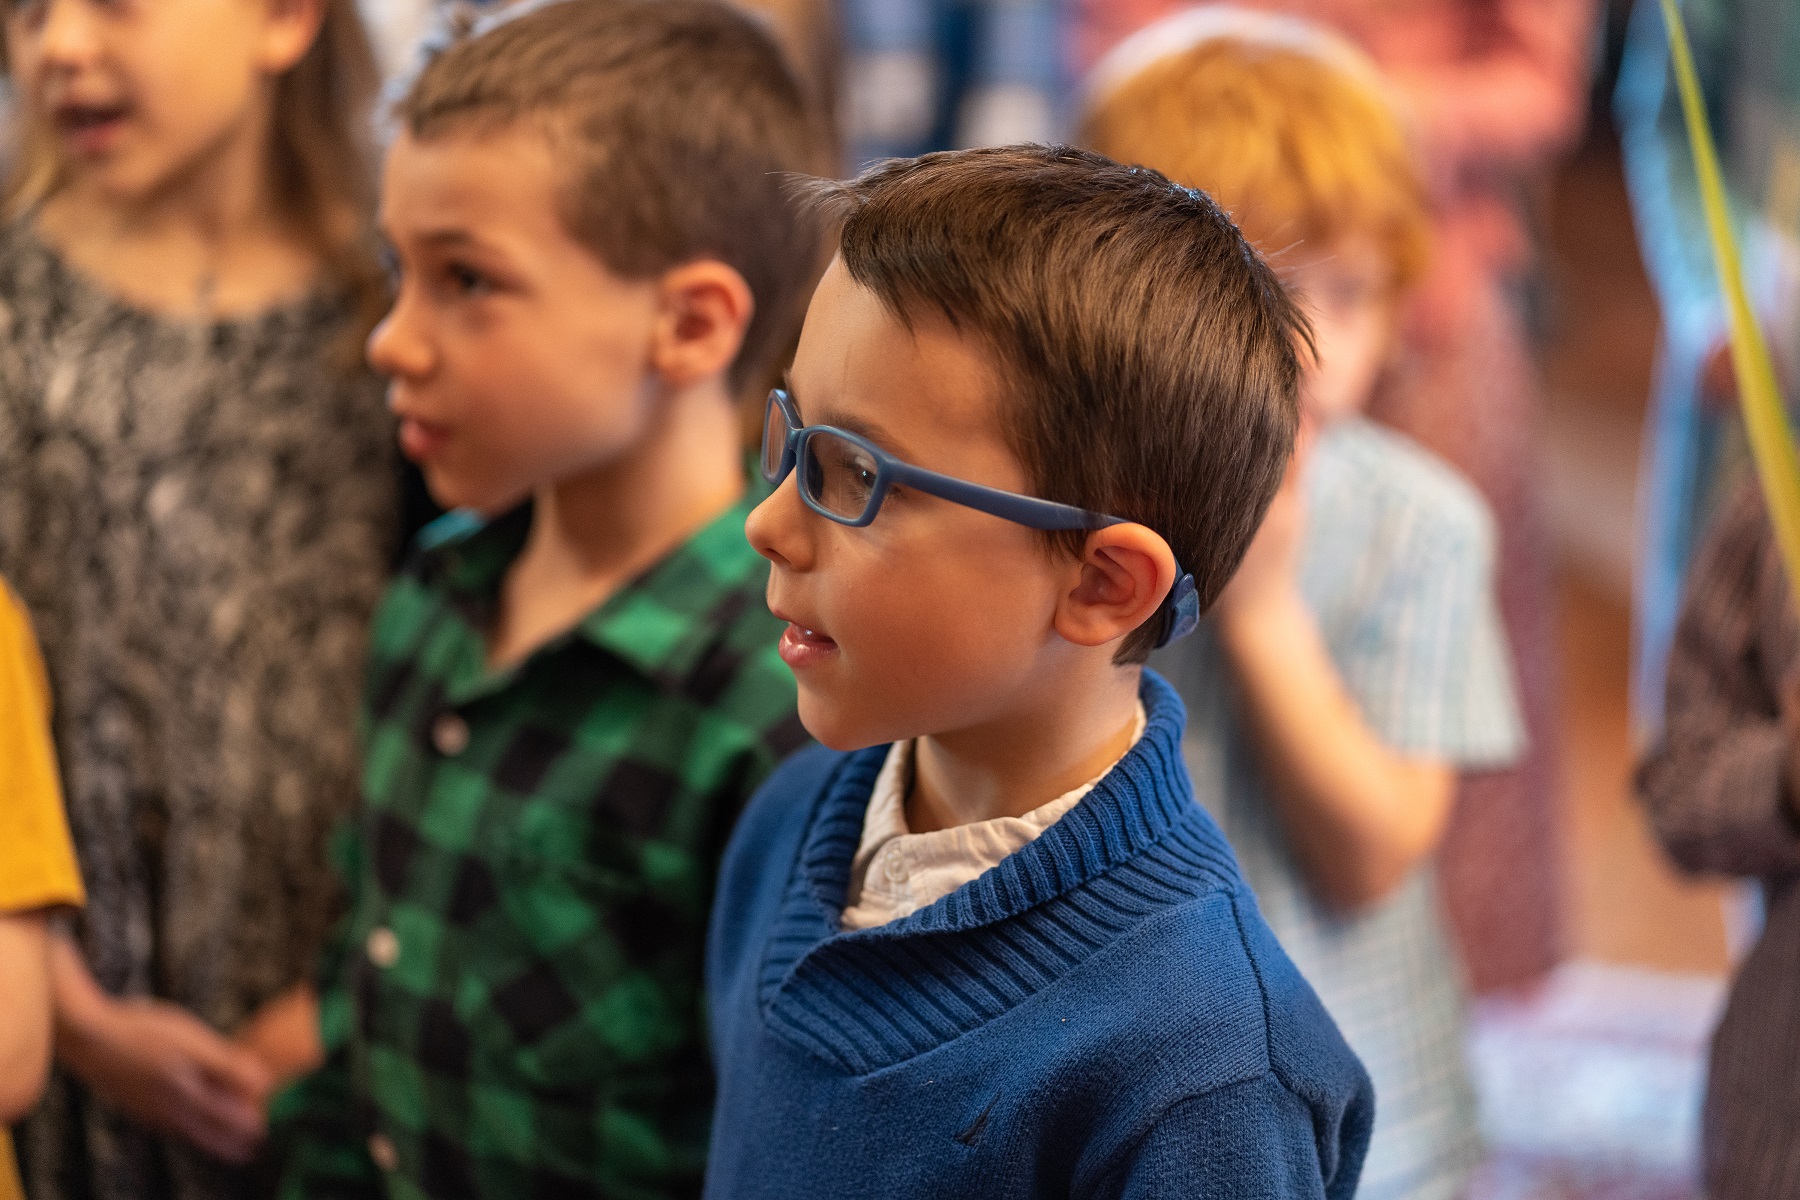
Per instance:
{"type": "Point", "coordinates": [833, 726]}
{"type": "Point", "coordinates": [451, 491]}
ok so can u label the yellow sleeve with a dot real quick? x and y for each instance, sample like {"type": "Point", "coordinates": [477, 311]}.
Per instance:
{"type": "Point", "coordinates": [10, 1186]}
{"type": "Point", "coordinates": [37, 860]}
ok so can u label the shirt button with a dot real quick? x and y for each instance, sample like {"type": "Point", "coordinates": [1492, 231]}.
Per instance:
{"type": "Point", "coordinates": [383, 947]}
{"type": "Point", "coordinates": [450, 734]}
{"type": "Point", "coordinates": [381, 1149]}
{"type": "Point", "coordinates": [894, 866]}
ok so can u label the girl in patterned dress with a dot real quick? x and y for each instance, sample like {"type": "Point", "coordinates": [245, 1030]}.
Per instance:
{"type": "Point", "coordinates": [196, 506]}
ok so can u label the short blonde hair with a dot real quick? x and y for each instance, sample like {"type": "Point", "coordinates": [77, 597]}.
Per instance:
{"type": "Point", "coordinates": [1300, 149]}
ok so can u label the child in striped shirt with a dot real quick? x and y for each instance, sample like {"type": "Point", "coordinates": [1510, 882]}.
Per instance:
{"type": "Point", "coordinates": [1356, 663]}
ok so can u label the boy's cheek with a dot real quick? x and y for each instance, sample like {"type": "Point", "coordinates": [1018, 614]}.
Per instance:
{"type": "Point", "coordinates": [850, 700]}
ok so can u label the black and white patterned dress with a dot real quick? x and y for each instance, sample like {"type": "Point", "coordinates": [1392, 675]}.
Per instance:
{"type": "Point", "coordinates": [199, 517]}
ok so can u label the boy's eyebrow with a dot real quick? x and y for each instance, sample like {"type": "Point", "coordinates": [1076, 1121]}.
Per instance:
{"type": "Point", "coordinates": [446, 236]}
{"type": "Point", "coordinates": [843, 420]}
{"type": "Point", "coordinates": [865, 428]}
{"type": "Point", "coordinates": [451, 236]}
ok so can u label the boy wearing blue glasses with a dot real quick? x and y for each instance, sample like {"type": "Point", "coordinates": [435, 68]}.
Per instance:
{"type": "Point", "coordinates": [983, 942]}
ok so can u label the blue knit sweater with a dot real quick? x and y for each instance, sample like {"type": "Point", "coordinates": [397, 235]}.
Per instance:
{"type": "Point", "coordinates": [1102, 1014]}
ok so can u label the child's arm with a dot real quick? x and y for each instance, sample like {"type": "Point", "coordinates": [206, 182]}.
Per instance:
{"type": "Point", "coordinates": [25, 1031]}
{"type": "Point", "coordinates": [157, 1062]}
{"type": "Point", "coordinates": [1358, 815]}
{"type": "Point", "coordinates": [1721, 783]}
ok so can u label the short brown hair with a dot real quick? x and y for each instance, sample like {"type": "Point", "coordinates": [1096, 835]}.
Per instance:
{"type": "Point", "coordinates": [679, 121]}
{"type": "Point", "coordinates": [1301, 148]}
{"type": "Point", "coordinates": [1151, 353]}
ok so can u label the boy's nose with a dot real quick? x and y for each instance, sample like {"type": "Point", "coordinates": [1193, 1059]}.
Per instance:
{"type": "Point", "coordinates": [777, 528]}
{"type": "Point", "coordinates": [397, 349]}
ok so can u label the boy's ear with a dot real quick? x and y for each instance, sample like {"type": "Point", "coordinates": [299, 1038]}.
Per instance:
{"type": "Point", "coordinates": [1124, 573]}
{"type": "Point", "coordinates": [705, 307]}
{"type": "Point", "coordinates": [293, 26]}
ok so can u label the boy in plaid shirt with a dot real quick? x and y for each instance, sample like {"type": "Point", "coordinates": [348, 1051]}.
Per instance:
{"type": "Point", "coordinates": [570, 694]}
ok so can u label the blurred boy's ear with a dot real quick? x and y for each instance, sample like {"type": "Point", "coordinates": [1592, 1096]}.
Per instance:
{"type": "Point", "coordinates": [290, 31]}
{"type": "Point", "coordinates": [705, 308]}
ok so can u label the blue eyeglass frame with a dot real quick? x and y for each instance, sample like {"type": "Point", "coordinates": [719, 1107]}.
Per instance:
{"type": "Point", "coordinates": [1008, 506]}
{"type": "Point", "coordinates": [1182, 604]}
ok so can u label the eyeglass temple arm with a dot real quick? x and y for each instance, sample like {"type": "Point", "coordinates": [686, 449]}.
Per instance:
{"type": "Point", "coordinates": [1180, 611]}
{"type": "Point", "coordinates": [1022, 510]}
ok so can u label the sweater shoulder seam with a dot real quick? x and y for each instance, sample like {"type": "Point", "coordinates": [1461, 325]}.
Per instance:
{"type": "Point", "coordinates": [1262, 987]}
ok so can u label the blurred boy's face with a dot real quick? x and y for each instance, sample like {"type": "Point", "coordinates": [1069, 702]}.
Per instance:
{"type": "Point", "coordinates": [1348, 294]}
{"type": "Point", "coordinates": [132, 93]}
{"type": "Point", "coordinates": [935, 617]}
{"type": "Point", "coordinates": [516, 358]}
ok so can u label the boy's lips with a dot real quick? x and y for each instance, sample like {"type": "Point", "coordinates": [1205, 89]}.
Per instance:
{"type": "Point", "coordinates": [802, 647]}
{"type": "Point", "coordinates": [421, 440]}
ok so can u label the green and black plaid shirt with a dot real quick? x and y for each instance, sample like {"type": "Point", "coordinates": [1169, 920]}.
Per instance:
{"type": "Point", "coordinates": [513, 1007]}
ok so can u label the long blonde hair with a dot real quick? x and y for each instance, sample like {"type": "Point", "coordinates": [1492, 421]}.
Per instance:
{"type": "Point", "coordinates": [321, 156]}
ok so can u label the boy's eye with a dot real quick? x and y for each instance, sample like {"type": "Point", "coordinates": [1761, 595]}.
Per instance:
{"type": "Point", "coordinates": [390, 265]}
{"type": "Point", "coordinates": [465, 278]}
{"type": "Point", "coordinates": [840, 474]}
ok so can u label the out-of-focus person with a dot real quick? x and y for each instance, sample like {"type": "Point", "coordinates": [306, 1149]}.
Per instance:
{"type": "Point", "coordinates": [939, 74]}
{"type": "Point", "coordinates": [196, 506]}
{"type": "Point", "coordinates": [1491, 90]}
{"type": "Point", "coordinates": [1356, 662]}
{"type": "Point", "coordinates": [1722, 786]}
{"type": "Point", "coordinates": [38, 875]}
{"type": "Point", "coordinates": [1694, 453]}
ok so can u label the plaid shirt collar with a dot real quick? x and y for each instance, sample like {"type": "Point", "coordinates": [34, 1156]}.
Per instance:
{"type": "Point", "coordinates": [663, 624]}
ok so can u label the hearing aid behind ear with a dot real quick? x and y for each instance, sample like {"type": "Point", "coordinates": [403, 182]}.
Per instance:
{"type": "Point", "coordinates": [1184, 610]}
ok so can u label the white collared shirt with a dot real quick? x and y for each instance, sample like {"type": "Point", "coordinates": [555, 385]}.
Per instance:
{"type": "Point", "coordinates": [897, 872]}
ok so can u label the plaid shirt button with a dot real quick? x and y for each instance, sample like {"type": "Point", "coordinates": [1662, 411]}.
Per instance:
{"type": "Point", "coordinates": [381, 1149]}
{"type": "Point", "coordinates": [450, 734]}
{"type": "Point", "coordinates": [383, 947]}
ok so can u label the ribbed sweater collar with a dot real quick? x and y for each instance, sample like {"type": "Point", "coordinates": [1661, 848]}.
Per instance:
{"type": "Point", "coordinates": [809, 977]}
{"type": "Point", "coordinates": [1127, 810]}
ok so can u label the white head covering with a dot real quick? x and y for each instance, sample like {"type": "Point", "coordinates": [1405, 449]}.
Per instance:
{"type": "Point", "coordinates": [1190, 27]}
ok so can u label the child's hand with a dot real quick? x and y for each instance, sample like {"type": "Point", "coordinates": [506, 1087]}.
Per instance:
{"type": "Point", "coordinates": [284, 1034]}
{"type": "Point", "coordinates": [168, 1070]}
{"type": "Point", "coordinates": [1272, 563]}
